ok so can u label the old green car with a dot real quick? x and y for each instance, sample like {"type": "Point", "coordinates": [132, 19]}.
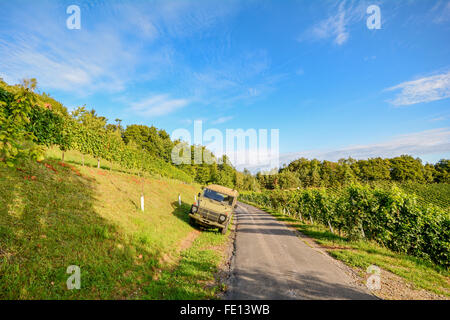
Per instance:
{"type": "Point", "coordinates": [214, 207]}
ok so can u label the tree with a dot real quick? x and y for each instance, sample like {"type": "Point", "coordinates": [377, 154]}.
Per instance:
{"type": "Point", "coordinates": [16, 142]}
{"type": "Point", "coordinates": [443, 171]}
{"type": "Point", "coordinates": [288, 179]}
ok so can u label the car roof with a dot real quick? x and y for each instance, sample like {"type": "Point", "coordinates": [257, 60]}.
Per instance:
{"type": "Point", "coordinates": [223, 190]}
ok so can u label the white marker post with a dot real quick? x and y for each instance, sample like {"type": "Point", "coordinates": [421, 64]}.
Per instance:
{"type": "Point", "coordinates": [142, 203]}
{"type": "Point", "coordinates": [179, 200]}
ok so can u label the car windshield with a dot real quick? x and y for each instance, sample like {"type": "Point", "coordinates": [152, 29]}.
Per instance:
{"type": "Point", "coordinates": [219, 197]}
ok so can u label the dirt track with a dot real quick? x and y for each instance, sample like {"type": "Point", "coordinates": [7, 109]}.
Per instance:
{"type": "Point", "coordinates": [272, 262]}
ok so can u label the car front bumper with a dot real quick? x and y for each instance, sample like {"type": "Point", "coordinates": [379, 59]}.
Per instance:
{"type": "Point", "coordinates": [205, 222]}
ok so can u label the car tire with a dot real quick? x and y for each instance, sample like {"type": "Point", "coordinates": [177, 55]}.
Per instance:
{"type": "Point", "coordinates": [192, 221]}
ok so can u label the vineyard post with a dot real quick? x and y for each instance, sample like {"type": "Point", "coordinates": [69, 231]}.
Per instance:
{"type": "Point", "coordinates": [62, 156]}
{"type": "Point", "coordinates": [98, 163]}
{"type": "Point", "coordinates": [142, 192]}
{"type": "Point", "coordinates": [331, 228]}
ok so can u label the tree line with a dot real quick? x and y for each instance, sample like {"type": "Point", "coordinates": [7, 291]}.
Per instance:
{"type": "Point", "coordinates": [30, 121]}
{"type": "Point", "coordinates": [306, 173]}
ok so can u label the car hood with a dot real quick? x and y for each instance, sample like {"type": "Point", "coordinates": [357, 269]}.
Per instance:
{"type": "Point", "coordinates": [215, 206]}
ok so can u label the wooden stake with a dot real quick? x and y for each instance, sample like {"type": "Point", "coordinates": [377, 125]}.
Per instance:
{"type": "Point", "coordinates": [331, 228]}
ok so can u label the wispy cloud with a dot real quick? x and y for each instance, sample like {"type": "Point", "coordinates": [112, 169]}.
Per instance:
{"type": "Point", "coordinates": [441, 12]}
{"type": "Point", "coordinates": [99, 57]}
{"type": "Point", "coordinates": [104, 54]}
{"type": "Point", "coordinates": [436, 141]}
{"type": "Point", "coordinates": [300, 72]}
{"type": "Point", "coordinates": [438, 119]}
{"type": "Point", "coordinates": [222, 120]}
{"type": "Point", "coordinates": [422, 90]}
{"type": "Point", "coordinates": [231, 79]}
{"type": "Point", "coordinates": [420, 143]}
{"type": "Point", "coordinates": [336, 25]}
{"type": "Point", "coordinates": [158, 105]}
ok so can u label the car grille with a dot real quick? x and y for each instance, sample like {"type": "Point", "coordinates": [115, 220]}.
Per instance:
{"type": "Point", "coordinates": [209, 215]}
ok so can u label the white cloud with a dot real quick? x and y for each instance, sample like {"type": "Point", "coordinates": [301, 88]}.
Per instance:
{"type": "Point", "coordinates": [438, 119]}
{"type": "Point", "coordinates": [336, 26]}
{"type": "Point", "coordinates": [158, 105]}
{"type": "Point", "coordinates": [222, 120]}
{"type": "Point", "coordinates": [422, 90]}
{"type": "Point", "coordinates": [430, 142]}
{"type": "Point", "coordinates": [416, 144]}
{"type": "Point", "coordinates": [441, 12]}
{"type": "Point", "coordinates": [118, 43]}
{"type": "Point", "coordinates": [81, 61]}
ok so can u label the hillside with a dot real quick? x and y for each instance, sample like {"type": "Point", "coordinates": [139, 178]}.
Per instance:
{"type": "Point", "coordinates": [55, 214]}
{"type": "Point", "coordinates": [437, 194]}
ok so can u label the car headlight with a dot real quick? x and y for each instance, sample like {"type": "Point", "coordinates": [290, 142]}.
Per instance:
{"type": "Point", "coordinates": [194, 209]}
{"type": "Point", "coordinates": [222, 218]}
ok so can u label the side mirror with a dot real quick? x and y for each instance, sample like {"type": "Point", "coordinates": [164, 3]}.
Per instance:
{"type": "Point", "coordinates": [199, 195]}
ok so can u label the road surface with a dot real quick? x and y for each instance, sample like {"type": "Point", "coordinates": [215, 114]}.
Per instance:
{"type": "Point", "coordinates": [272, 262]}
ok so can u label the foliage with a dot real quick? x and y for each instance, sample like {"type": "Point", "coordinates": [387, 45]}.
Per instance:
{"type": "Point", "coordinates": [392, 218]}
{"type": "Point", "coordinates": [315, 173]}
{"type": "Point", "coordinates": [16, 142]}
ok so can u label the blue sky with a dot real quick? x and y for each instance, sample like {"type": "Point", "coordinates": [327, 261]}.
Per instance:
{"type": "Point", "coordinates": [311, 69]}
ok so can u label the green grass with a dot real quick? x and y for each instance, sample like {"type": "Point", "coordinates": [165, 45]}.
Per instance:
{"type": "Point", "coordinates": [198, 264]}
{"type": "Point", "coordinates": [53, 216]}
{"type": "Point", "coordinates": [362, 254]}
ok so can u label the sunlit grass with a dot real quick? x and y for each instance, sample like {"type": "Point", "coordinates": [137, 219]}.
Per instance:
{"type": "Point", "coordinates": [53, 215]}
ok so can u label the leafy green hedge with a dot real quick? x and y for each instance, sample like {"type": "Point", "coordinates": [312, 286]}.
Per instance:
{"type": "Point", "coordinates": [392, 218]}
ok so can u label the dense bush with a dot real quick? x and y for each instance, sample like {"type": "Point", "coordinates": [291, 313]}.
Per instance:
{"type": "Point", "coordinates": [392, 218]}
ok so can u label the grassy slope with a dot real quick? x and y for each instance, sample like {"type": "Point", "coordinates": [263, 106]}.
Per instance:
{"type": "Point", "coordinates": [362, 254]}
{"type": "Point", "coordinates": [91, 218]}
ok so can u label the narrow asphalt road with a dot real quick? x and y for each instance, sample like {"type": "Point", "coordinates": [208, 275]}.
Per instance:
{"type": "Point", "coordinates": [272, 262]}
